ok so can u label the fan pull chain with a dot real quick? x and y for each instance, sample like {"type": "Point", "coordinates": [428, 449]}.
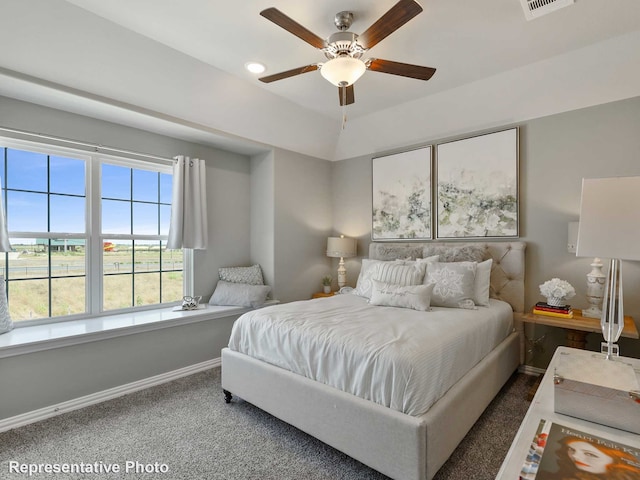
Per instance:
{"type": "Point", "coordinates": [344, 105]}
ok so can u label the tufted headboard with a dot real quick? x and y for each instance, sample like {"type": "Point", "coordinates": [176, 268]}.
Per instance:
{"type": "Point", "coordinates": [507, 270]}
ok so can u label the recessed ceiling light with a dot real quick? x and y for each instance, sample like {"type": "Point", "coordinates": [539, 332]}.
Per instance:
{"type": "Point", "coordinates": [255, 67]}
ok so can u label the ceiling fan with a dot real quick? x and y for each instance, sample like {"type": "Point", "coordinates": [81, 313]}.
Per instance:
{"type": "Point", "coordinates": [344, 49]}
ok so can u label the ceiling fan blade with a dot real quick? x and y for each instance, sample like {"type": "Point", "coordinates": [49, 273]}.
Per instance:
{"type": "Point", "coordinates": [346, 95]}
{"type": "Point", "coordinates": [289, 73]}
{"type": "Point", "coordinates": [291, 26]}
{"type": "Point", "coordinates": [397, 16]}
{"type": "Point", "coordinates": [402, 69]}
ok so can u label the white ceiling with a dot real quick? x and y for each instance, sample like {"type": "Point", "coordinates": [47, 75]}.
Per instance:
{"type": "Point", "coordinates": [159, 64]}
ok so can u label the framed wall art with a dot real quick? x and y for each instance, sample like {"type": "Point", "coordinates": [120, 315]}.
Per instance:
{"type": "Point", "coordinates": [401, 196]}
{"type": "Point", "coordinates": [477, 186]}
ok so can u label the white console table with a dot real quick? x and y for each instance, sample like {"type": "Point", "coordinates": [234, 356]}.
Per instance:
{"type": "Point", "coordinates": [542, 408]}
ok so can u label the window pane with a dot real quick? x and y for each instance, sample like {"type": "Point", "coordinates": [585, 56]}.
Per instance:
{"type": "Point", "coordinates": [172, 259]}
{"type": "Point", "coordinates": [116, 216]}
{"type": "Point", "coordinates": [116, 182]}
{"type": "Point", "coordinates": [165, 219]}
{"type": "Point", "coordinates": [67, 214]}
{"type": "Point", "coordinates": [117, 291]}
{"type": "Point", "coordinates": [67, 257]}
{"type": "Point", "coordinates": [26, 212]}
{"type": "Point", "coordinates": [29, 259]}
{"type": "Point", "coordinates": [145, 186]}
{"type": "Point", "coordinates": [117, 256]}
{"type": "Point", "coordinates": [26, 170]}
{"type": "Point", "coordinates": [67, 175]}
{"type": "Point", "coordinates": [172, 287]}
{"type": "Point", "coordinates": [28, 299]}
{"type": "Point", "coordinates": [145, 218]}
{"type": "Point", "coordinates": [147, 257]}
{"type": "Point", "coordinates": [147, 289]}
{"type": "Point", "coordinates": [68, 296]}
{"type": "Point", "coordinates": [166, 188]}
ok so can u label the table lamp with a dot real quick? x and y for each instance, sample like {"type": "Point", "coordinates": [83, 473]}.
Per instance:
{"type": "Point", "coordinates": [610, 228]}
{"type": "Point", "coordinates": [341, 247]}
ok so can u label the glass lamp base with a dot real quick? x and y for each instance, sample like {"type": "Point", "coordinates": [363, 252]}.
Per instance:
{"type": "Point", "coordinates": [610, 350]}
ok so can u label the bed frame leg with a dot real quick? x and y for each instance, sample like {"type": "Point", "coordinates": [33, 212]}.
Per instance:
{"type": "Point", "coordinates": [227, 396]}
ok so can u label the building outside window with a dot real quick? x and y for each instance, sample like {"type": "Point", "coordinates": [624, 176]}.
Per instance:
{"type": "Point", "coordinates": [88, 233]}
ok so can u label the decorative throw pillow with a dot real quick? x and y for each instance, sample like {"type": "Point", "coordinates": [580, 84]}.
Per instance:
{"type": "Point", "coordinates": [461, 253]}
{"type": "Point", "coordinates": [239, 294]}
{"type": "Point", "coordinates": [364, 285]}
{"type": "Point", "coordinates": [250, 275]}
{"type": "Point", "coordinates": [399, 274]}
{"type": "Point", "coordinates": [454, 284]}
{"type": "Point", "coordinates": [482, 283]}
{"type": "Point", "coordinates": [417, 297]}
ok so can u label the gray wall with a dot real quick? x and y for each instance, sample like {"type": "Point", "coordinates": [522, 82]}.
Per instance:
{"type": "Point", "coordinates": [273, 209]}
{"type": "Point", "coordinates": [556, 152]}
{"type": "Point", "coordinates": [45, 378]}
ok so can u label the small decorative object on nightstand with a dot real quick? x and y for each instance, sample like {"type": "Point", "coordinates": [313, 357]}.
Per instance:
{"type": "Point", "coordinates": [326, 283]}
{"type": "Point", "coordinates": [557, 292]}
{"type": "Point", "coordinates": [595, 290]}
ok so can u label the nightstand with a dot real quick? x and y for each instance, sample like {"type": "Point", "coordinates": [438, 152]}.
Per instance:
{"type": "Point", "coordinates": [576, 328]}
{"type": "Point", "coordinates": [323, 295]}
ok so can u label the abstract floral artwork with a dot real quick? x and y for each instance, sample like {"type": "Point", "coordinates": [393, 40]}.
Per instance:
{"type": "Point", "coordinates": [477, 186]}
{"type": "Point", "coordinates": [401, 204]}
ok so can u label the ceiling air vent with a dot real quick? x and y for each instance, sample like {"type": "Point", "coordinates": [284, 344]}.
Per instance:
{"type": "Point", "coordinates": [537, 8]}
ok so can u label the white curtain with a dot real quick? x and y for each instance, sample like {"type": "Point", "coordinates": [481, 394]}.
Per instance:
{"type": "Point", "coordinates": [5, 246]}
{"type": "Point", "coordinates": [5, 320]}
{"type": "Point", "coordinates": [188, 228]}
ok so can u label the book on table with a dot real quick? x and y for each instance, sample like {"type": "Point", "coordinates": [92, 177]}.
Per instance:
{"type": "Point", "coordinates": [550, 313]}
{"type": "Point", "coordinates": [562, 452]}
{"type": "Point", "coordinates": [553, 308]}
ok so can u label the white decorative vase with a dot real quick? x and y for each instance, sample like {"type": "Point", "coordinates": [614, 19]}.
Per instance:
{"type": "Point", "coordinates": [556, 301]}
{"type": "Point", "coordinates": [327, 288]}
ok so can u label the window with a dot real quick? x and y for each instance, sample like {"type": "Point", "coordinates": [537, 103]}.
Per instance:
{"type": "Point", "coordinates": [88, 233]}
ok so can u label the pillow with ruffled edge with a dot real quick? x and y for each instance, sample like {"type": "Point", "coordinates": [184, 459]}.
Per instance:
{"type": "Point", "coordinates": [416, 297]}
{"type": "Point", "coordinates": [250, 275]}
{"type": "Point", "coordinates": [239, 294]}
{"type": "Point", "coordinates": [398, 273]}
{"type": "Point", "coordinates": [363, 284]}
{"type": "Point", "coordinates": [482, 283]}
{"type": "Point", "coordinates": [454, 284]}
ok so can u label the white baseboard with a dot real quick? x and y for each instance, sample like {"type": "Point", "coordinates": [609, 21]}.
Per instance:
{"type": "Point", "coordinates": [92, 399]}
{"type": "Point", "coordinates": [529, 370]}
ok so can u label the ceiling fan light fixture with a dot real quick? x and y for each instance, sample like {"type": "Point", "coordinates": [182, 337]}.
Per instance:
{"type": "Point", "coordinates": [343, 70]}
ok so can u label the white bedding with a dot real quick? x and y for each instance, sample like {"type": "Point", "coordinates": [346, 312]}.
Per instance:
{"type": "Point", "coordinates": [400, 358]}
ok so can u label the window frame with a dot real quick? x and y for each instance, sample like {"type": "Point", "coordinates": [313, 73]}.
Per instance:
{"type": "Point", "coordinates": [93, 235]}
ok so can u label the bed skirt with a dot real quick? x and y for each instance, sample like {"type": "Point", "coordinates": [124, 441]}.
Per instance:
{"type": "Point", "coordinates": [400, 446]}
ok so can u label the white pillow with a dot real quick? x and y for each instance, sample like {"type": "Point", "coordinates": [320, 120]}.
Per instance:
{"type": "Point", "coordinates": [454, 284]}
{"type": "Point", "coordinates": [417, 297]}
{"type": "Point", "coordinates": [364, 285]}
{"type": "Point", "coordinates": [482, 283]}
{"type": "Point", "coordinates": [239, 294]}
{"type": "Point", "coordinates": [400, 274]}
{"type": "Point", "coordinates": [251, 275]}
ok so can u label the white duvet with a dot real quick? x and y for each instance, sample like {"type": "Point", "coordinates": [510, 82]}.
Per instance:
{"type": "Point", "coordinates": [397, 357]}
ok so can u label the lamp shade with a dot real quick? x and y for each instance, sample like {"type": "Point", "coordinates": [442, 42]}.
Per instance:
{"type": "Point", "coordinates": [610, 218]}
{"type": "Point", "coordinates": [343, 70]}
{"type": "Point", "coordinates": [341, 247]}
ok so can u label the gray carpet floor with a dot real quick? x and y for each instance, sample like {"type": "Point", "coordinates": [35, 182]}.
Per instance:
{"type": "Point", "coordinates": [185, 427]}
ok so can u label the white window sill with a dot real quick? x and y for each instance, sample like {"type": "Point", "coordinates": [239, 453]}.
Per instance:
{"type": "Point", "coordinates": [22, 340]}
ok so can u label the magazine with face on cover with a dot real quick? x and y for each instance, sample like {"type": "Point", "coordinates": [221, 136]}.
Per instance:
{"type": "Point", "coordinates": [560, 452]}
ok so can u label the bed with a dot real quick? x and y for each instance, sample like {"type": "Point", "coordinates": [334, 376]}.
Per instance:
{"type": "Point", "coordinates": [404, 433]}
